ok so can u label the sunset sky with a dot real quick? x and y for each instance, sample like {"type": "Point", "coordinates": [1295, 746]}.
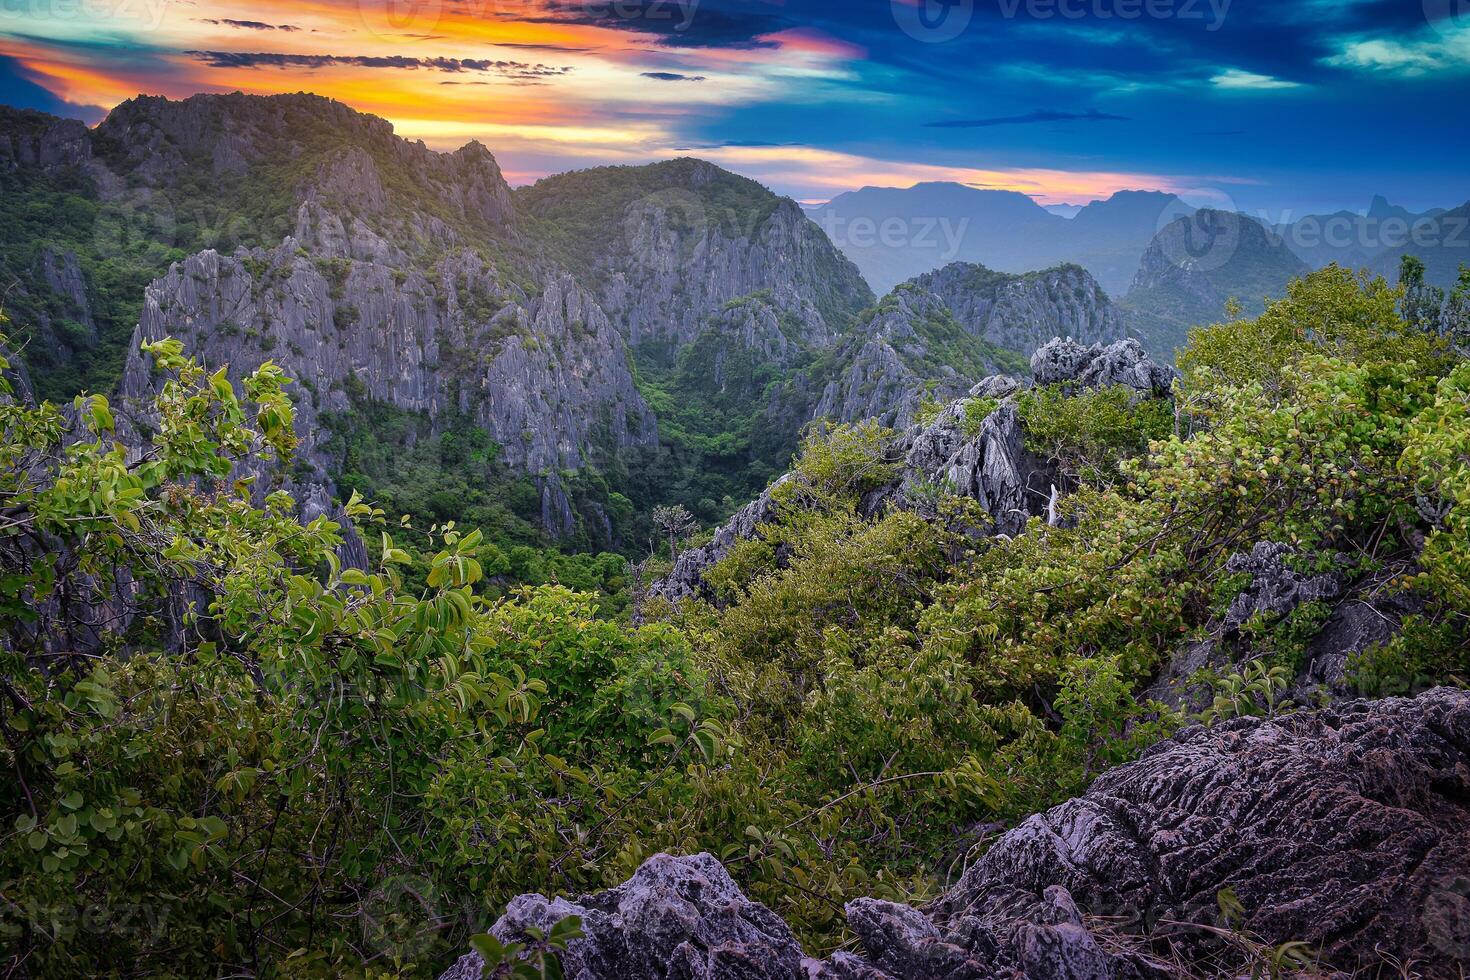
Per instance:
{"type": "Point", "coordinates": [1273, 107]}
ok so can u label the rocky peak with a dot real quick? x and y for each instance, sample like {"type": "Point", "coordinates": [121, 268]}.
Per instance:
{"type": "Point", "coordinates": [322, 148]}
{"type": "Point", "coordinates": [666, 246]}
{"type": "Point", "coordinates": [1022, 312]}
{"type": "Point", "coordinates": [909, 349]}
{"type": "Point", "coordinates": [37, 139]}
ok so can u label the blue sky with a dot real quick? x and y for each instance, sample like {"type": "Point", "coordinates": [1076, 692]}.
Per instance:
{"type": "Point", "coordinates": [1281, 108]}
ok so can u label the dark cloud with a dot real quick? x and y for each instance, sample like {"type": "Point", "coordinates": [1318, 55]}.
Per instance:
{"type": "Point", "coordinates": [672, 76]}
{"type": "Point", "coordinates": [739, 24]}
{"type": "Point", "coordinates": [251, 25]}
{"type": "Point", "coordinates": [1037, 116]}
{"type": "Point", "coordinates": [309, 62]}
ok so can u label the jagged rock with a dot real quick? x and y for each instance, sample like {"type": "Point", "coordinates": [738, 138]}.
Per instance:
{"type": "Point", "coordinates": [989, 463]}
{"type": "Point", "coordinates": [676, 917]}
{"type": "Point", "coordinates": [1343, 828]}
{"type": "Point", "coordinates": [1066, 362]}
{"type": "Point", "coordinates": [1275, 589]}
{"type": "Point", "coordinates": [1022, 312]}
{"type": "Point", "coordinates": [998, 386]}
{"type": "Point", "coordinates": [1338, 827]}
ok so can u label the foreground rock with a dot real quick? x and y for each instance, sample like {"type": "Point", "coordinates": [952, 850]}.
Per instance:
{"type": "Point", "coordinates": [1345, 828]}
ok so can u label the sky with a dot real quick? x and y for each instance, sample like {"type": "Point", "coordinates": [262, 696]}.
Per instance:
{"type": "Point", "coordinates": [1277, 107]}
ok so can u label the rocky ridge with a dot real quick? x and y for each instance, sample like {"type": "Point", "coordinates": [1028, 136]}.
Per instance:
{"type": "Point", "coordinates": [1341, 828]}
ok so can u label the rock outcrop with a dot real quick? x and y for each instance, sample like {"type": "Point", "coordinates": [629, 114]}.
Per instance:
{"type": "Point", "coordinates": [986, 460]}
{"type": "Point", "coordinates": [1343, 828]}
{"type": "Point", "coordinates": [982, 458]}
{"type": "Point", "coordinates": [1022, 312]}
{"type": "Point", "coordinates": [1074, 365]}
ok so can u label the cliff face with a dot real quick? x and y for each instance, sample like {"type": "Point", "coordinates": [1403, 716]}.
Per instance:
{"type": "Point", "coordinates": [35, 139]}
{"type": "Point", "coordinates": [1022, 312]}
{"type": "Point", "coordinates": [544, 374]}
{"type": "Point", "coordinates": [666, 246]}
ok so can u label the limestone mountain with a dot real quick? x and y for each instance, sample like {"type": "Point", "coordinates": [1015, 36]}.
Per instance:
{"type": "Point", "coordinates": [410, 298]}
{"type": "Point", "coordinates": [1022, 312]}
{"type": "Point", "coordinates": [667, 245]}
{"type": "Point", "coordinates": [1441, 241]}
{"type": "Point", "coordinates": [1196, 265]}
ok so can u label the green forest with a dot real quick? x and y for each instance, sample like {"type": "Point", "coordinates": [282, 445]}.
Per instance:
{"type": "Point", "coordinates": [228, 753]}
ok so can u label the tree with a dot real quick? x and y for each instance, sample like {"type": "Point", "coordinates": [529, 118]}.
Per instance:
{"type": "Point", "coordinates": [674, 522]}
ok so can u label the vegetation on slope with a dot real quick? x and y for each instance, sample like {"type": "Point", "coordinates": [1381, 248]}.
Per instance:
{"type": "Point", "coordinates": [268, 763]}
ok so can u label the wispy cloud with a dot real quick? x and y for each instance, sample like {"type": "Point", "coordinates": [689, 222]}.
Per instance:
{"type": "Point", "coordinates": [1237, 79]}
{"type": "Point", "coordinates": [250, 25]}
{"type": "Point", "coordinates": [672, 76]}
{"type": "Point", "coordinates": [269, 59]}
{"type": "Point", "coordinates": [1427, 53]}
{"type": "Point", "coordinates": [1036, 116]}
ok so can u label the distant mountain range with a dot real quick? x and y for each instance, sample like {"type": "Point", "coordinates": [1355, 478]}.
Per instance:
{"type": "Point", "coordinates": [895, 234]}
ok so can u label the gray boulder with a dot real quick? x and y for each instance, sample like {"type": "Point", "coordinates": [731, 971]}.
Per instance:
{"type": "Point", "coordinates": [1125, 362]}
